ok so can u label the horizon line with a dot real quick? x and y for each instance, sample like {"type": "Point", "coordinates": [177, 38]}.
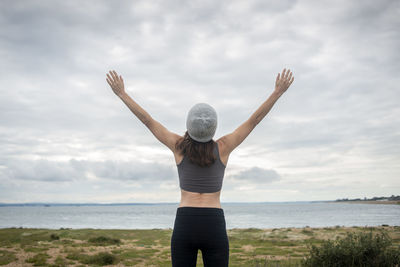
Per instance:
{"type": "Point", "coordinates": [149, 203]}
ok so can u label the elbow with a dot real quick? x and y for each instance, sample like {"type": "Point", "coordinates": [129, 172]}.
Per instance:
{"type": "Point", "coordinates": [253, 122]}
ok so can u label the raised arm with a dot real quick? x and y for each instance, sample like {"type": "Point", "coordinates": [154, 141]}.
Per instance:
{"type": "Point", "coordinates": [159, 131]}
{"type": "Point", "coordinates": [230, 141]}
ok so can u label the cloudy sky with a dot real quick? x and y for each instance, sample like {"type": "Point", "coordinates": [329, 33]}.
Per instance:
{"type": "Point", "coordinates": [66, 137]}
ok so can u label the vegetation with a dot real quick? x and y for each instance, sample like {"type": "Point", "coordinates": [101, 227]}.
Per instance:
{"type": "Point", "coordinates": [283, 247]}
{"type": "Point", "coordinates": [38, 259]}
{"type": "Point", "coordinates": [101, 258]}
{"type": "Point", "coordinates": [6, 257]}
{"type": "Point", "coordinates": [391, 198]}
{"type": "Point", "coordinates": [103, 240]}
{"type": "Point", "coordinates": [363, 249]}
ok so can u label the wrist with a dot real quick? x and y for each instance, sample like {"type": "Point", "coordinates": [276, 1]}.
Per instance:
{"type": "Point", "coordinates": [121, 95]}
{"type": "Point", "coordinates": [276, 94]}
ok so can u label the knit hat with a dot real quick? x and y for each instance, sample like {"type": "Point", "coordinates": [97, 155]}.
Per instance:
{"type": "Point", "coordinates": [201, 122]}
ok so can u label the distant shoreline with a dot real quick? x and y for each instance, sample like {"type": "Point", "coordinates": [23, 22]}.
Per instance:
{"type": "Point", "coordinates": [44, 204]}
{"type": "Point", "coordinates": [391, 202]}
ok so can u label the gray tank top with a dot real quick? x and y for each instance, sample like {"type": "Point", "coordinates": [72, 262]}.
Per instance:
{"type": "Point", "coordinates": [198, 179]}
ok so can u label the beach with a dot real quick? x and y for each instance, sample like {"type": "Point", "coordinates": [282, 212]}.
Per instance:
{"type": "Point", "coordinates": [151, 247]}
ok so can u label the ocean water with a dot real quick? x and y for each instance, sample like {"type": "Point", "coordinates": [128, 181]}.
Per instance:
{"type": "Point", "coordinates": [237, 215]}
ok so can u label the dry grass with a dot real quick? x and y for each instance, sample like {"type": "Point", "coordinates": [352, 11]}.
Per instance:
{"type": "Point", "coordinates": [152, 247]}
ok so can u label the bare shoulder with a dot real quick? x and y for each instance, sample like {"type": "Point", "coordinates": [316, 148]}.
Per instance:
{"type": "Point", "coordinates": [176, 136]}
{"type": "Point", "coordinates": [223, 146]}
{"type": "Point", "coordinates": [174, 139]}
{"type": "Point", "coordinates": [177, 155]}
{"type": "Point", "coordinates": [223, 150]}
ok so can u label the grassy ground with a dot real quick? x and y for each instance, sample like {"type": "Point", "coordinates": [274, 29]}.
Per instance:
{"type": "Point", "coordinates": [90, 247]}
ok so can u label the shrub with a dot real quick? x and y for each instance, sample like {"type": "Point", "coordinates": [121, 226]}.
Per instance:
{"type": "Point", "coordinates": [356, 249]}
{"type": "Point", "coordinates": [54, 237]}
{"type": "Point", "coordinates": [103, 240]}
{"type": "Point", "coordinates": [101, 258]}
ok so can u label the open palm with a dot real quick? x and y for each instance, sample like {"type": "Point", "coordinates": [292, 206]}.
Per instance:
{"type": "Point", "coordinates": [283, 81]}
{"type": "Point", "coordinates": [116, 83]}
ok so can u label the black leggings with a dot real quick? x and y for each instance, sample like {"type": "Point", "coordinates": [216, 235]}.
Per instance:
{"type": "Point", "coordinates": [199, 228]}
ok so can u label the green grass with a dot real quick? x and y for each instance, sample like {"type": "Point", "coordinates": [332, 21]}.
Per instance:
{"type": "Point", "coordinates": [35, 249]}
{"type": "Point", "coordinates": [38, 259]}
{"type": "Point", "coordinates": [248, 247]}
{"type": "Point", "coordinates": [101, 258]}
{"type": "Point", "coordinates": [307, 232]}
{"type": "Point", "coordinates": [60, 262]}
{"type": "Point", "coordinates": [6, 257]}
{"type": "Point", "coordinates": [264, 262]}
{"type": "Point", "coordinates": [104, 241]}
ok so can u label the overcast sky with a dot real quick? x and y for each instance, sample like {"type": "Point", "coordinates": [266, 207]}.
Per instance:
{"type": "Point", "coordinates": [66, 137]}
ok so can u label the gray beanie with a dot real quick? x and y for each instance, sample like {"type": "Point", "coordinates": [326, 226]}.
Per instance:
{"type": "Point", "coordinates": [201, 122]}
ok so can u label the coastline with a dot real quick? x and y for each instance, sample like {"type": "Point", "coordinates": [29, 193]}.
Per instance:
{"type": "Point", "coordinates": [151, 247]}
{"type": "Point", "coordinates": [387, 202]}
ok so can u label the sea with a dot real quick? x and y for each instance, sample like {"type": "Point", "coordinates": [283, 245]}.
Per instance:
{"type": "Point", "coordinates": [162, 215]}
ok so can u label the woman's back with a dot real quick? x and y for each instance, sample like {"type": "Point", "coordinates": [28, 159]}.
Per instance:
{"type": "Point", "coordinates": [198, 179]}
{"type": "Point", "coordinates": [200, 192]}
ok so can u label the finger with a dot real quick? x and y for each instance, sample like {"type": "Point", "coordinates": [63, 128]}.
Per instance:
{"type": "Point", "coordinates": [287, 74]}
{"type": "Point", "coordinates": [277, 77]}
{"type": "Point", "coordinates": [116, 75]}
{"type": "Point", "coordinates": [291, 81]}
{"type": "Point", "coordinates": [283, 73]}
{"type": "Point", "coordinates": [290, 75]}
{"type": "Point", "coordinates": [111, 80]}
{"type": "Point", "coordinates": [121, 78]}
{"type": "Point", "coordinates": [113, 75]}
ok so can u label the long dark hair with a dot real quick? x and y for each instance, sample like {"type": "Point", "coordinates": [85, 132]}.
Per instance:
{"type": "Point", "coordinates": [198, 153]}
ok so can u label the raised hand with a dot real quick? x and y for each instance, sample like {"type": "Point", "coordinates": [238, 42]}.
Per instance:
{"type": "Point", "coordinates": [116, 83]}
{"type": "Point", "coordinates": [283, 82]}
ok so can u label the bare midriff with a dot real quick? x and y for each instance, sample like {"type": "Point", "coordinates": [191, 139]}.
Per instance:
{"type": "Point", "coordinates": [193, 199]}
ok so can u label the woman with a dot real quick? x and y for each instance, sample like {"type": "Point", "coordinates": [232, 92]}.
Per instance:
{"type": "Point", "coordinates": [201, 161]}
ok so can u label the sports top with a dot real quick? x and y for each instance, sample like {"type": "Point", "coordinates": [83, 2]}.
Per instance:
{"type": "Point", "coordinates": [195, 178]}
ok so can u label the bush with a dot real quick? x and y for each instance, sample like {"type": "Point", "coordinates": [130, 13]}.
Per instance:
{"type": "Point", "coordinates": [102, 258]}
{"type": "Point", "coordinates": [356, 249]}
{"type": "Point", "coordinates": [103, 240]}
{"type": "Point", "coordinates": [54, 237]}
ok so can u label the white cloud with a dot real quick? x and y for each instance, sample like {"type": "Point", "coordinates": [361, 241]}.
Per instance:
{"type": "Point", "coordinates": [73, 170]}
{"type": "Point", "coordinates": [256, 175]}
{"type": "Point", "coordinates": [336, 127]}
